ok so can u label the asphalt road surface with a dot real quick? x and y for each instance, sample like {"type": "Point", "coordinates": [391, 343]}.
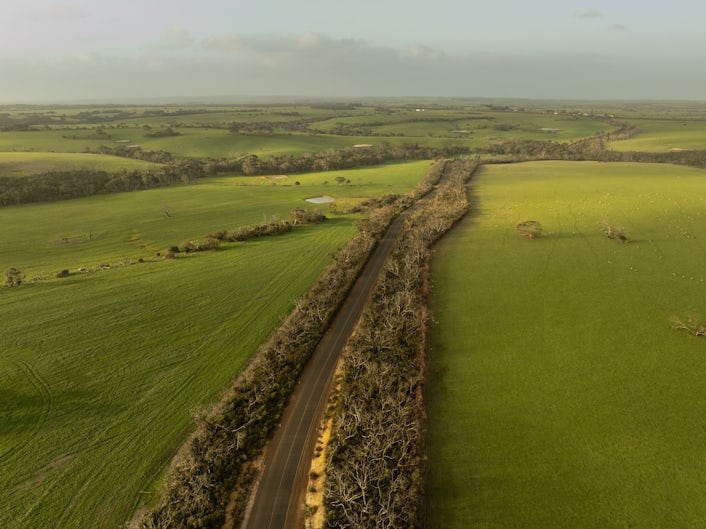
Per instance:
{"type": "Point", "coordinates": [278, 501]}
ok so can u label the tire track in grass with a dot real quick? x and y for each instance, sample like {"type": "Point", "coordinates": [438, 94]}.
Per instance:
{"type": "Point", "coordinates": [46, 405]}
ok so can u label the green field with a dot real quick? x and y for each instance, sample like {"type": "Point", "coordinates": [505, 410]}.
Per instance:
{"type": "Point", "coordinates": [191, 142]}
{"type": "Point", "coordinates": [560, 396]}
{"type": "Point", "coordinates": [204, 131]}
{"type": "Point", "coordinates": [664, 135]}
{"type": "Point", "coordinates": [477, 128]}
{"type": "Point", "coordinates": [24, 163]}
{"type": "Point", "coordinates": [44, 239]}
{"type": "Point", "coordinates": [102, 371]}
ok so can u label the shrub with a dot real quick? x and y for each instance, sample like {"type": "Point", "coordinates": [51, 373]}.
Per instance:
{"type": "Point", "coordinates": [219, 234]}
{"type": "Point", "coordinates": [13, 277]}
{"type": "Point", "coordinates": [306, 216]}
{"type": "Point", "coordinates": [210, 244]}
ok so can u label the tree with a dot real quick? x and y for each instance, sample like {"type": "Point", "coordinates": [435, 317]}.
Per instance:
{"type": "Point", "coordinates": [340, 180]}
{"type": "Point", "coordinates": [529, 229]}
{"type": "Point", "coordinates": [13, 277]}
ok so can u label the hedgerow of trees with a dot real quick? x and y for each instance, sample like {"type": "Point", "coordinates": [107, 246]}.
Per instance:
{"type": "Point", "coordinates": [213, 239]}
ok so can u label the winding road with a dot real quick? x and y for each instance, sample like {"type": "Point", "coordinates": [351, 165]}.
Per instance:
{"type": "Point", "coordinates": [278, 498]}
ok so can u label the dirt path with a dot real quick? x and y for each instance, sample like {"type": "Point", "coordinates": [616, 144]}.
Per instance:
{"type": "Point", "coordinates": [278, 501]}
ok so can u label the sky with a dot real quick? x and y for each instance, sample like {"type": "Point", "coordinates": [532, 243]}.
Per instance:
{"type": "Point", "coordinates": [90, 50]}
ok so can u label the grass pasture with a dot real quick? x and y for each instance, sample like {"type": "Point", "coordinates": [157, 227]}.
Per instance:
{"type": "Point", "coordinates": [560, 396]}
{"type": "Point", "coordinates": [26, 163]}
{"type": "Point", "coordinates": [204, 131]}
{"type": "Point", "coordinates": [665, 135]}
{"type": "Point", "coordinates": [215, 143]}
{"type": "Point", "coordinates": [102, 372]}
{"type": "Point", "coordinates": [477, 128]}
{"type": "Point", "coordinates": [191, 142]}
{"type": "Point", "coordinates": [42, 239]}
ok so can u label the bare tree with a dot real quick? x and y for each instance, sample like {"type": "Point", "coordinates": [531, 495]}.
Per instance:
{"type": "Point", "coordinates": [614, 232]}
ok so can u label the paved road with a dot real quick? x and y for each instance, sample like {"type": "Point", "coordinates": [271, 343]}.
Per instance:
{"type": "Point", "coordinates": [279, 498]}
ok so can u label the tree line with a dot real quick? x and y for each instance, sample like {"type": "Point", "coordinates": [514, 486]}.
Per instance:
{"type": "Point", "coordinates": [589, 149]}
{"type": "Point", "coordinates": [76, 183]}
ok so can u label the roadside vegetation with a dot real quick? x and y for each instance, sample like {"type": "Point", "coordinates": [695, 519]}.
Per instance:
{"type": "Point", "coordinates": [375, 469]}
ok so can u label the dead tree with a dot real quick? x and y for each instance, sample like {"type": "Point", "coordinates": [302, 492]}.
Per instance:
{"type": "Point", "coordinates": [613, 232]}
{"type": "Point", "coordinates": [692, 325]}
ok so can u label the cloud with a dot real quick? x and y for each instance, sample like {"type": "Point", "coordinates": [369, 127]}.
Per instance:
{"type": "Point", "coordinates": [175, 38]}
{"type": "Point", "coordinates": [308, 51]}
{"type": "Point", "coordinates": [306, 43]}
{"type": "Point", "coordinates": [618, 27]}
{"type": "Point", "coordinates": [589, 14]}
{"type": "Point", "coordinates": [420, 51]}
{"type": "Point", "coordinates": [317, 65]}
{"type": "Point", "coordinates": [64, 10]}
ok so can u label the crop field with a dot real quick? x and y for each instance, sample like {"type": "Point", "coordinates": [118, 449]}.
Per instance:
{"type": "Point", "coordinates": [665, 135]}
{"type": "Point", "coordinates": [560, 394]}
{"type": "Point", "coordinates": [102, 371]}
{"type": "Point", "coordinates": [24, 163]}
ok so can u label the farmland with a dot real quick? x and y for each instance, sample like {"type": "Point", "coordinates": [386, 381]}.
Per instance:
{"type": "Point", "coordinates": [232, 131]}
{"type": "Point", "coordinates": [560, 394]}
{"type": "Point", "coordinates": [24, 163]}
{"type": "Point", "coordinates": [111, 229]}
{"type": "Point", "coordinates": [665, 135]}
{"type": "Point", "coordinates": [104, 369]}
